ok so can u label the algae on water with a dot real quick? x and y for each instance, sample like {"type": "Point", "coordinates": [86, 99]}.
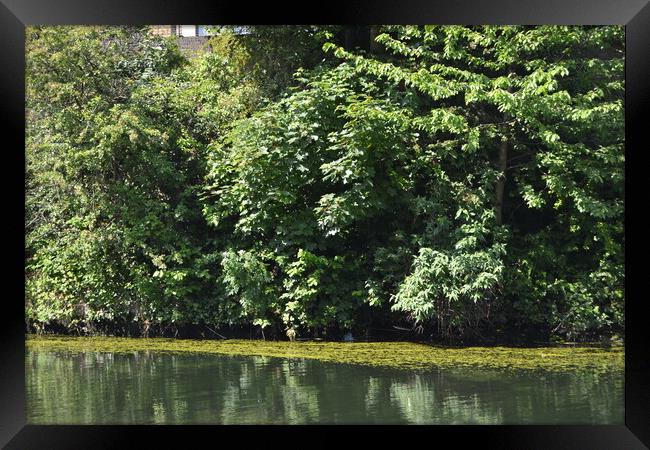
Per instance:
{"type": "Point", "coordinates": [405, 355]}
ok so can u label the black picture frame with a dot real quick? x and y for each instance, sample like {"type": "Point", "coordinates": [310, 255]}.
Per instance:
{"type": "Point", "coordinates": [16, 14]}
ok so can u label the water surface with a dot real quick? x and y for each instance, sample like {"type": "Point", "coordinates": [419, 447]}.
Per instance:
{"type": "Point", "coordinates": [164, 388]}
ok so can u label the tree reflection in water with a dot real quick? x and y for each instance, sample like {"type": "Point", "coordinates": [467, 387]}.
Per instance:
{"type": "Point", "coordinates": [156, 388]}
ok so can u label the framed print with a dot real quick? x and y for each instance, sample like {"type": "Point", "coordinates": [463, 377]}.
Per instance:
{"type": "Point", "coordinates": [373, 214]}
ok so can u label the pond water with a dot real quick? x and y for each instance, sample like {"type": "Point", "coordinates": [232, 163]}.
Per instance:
{"type": "Point", "coordinates": [163, 388]}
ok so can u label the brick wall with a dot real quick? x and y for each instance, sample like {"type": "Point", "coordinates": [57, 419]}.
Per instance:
{"type": "Point", "coordinates": [162, 30]}
{"type": "Point", "coordinates": [188, 45]}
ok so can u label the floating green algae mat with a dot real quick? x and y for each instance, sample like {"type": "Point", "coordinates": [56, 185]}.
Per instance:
{"type": "Point", "coordinates": [405, 355]}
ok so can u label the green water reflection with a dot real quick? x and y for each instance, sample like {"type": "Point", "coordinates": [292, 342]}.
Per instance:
{"type": "Point", "coordinates": [154, 388]}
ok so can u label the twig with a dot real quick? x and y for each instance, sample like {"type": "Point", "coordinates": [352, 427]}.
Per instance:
{"type": "Point", "coordinates": [222, 337]}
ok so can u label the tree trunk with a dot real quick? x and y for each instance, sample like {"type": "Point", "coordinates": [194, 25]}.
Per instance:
{"type": "Point", "coordinates": [349, 33]}
{"type": "Point", "coordinates": [502, 166]}
{"type": "Point", "coordinates": [501, 182]}
{"type": "Point", "coordinates": [374, 45]}
{"type": "Point", "coordinates": [359, 36]}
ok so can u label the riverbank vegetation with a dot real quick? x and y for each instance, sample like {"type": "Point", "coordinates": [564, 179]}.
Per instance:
{"type": "Point", "coordinates": [462, 182]}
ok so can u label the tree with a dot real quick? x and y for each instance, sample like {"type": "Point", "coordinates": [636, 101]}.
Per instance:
{"type": "Point", "coordinates": [467, 132]}
{"type": "Point", "coordinates": [543, 106]}
{"type": "Point", "coordinates": [119, 124]}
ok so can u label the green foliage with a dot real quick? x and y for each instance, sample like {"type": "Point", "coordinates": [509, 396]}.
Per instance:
{"type": "Point", "coordinates": [554, 94]}
{"type": "Point", "coordinates": [274, 52]}
{"type": "Point", "coordinates": [464, 178]}
{"type": "Point", "coordinates": [248, 279]}
{"type": "Point", "coordinates": [451, 287]}
{"type": "Point", "coordinates": [114, 224]}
